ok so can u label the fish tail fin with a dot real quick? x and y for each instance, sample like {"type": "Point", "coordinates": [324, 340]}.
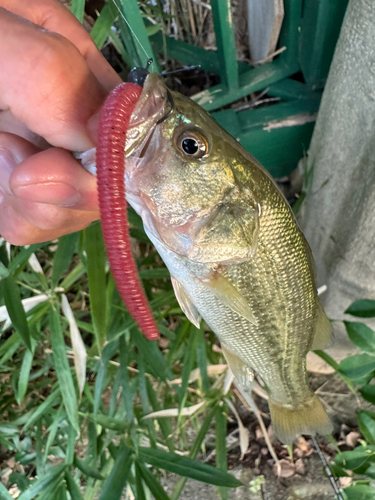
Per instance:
{"type": "Point", "coordinates": [309, 418]}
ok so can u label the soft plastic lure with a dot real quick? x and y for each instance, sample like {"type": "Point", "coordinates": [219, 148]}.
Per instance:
{"type": "Point", "coordinates": [110, 163]}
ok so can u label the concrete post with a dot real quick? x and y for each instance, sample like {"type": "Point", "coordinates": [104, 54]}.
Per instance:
{"type": "Point", "coordinates": [338, 215]}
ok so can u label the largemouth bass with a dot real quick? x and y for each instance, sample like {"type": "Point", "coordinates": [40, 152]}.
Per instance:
{"type": "Point", "coordinates": [236, 255]}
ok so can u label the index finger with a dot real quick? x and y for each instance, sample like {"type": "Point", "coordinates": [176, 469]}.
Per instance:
{"type": "Point", "coordinates": [46, 83]}
{"type": "Point", "coordinates": [53, 16]}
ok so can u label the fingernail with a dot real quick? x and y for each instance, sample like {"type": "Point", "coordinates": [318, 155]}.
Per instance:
{"type": "Point", "coordinates": [54, 193]}
{"type": "Point", "coordinates": [7, 164]}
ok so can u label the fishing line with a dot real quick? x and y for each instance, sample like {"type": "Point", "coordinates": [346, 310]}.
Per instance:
{"type": "Point", "coordinates": [332, 479]}
{"type": "Point", "coordinates": [131, 29]}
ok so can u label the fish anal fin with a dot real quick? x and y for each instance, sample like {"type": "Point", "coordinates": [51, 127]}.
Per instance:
{"type": "Point", "coordinates": [186, 304]}
{"type": "Point", "coordinates": [309, 418]}
{"type": "Point", "coordinates": [242, 372]}
{"type": "Point", "coordinates": [230, 296]}
{"type": "Point", "coordinates": [323, 330]}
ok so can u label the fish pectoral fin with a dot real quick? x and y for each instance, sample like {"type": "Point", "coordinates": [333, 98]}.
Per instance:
{"type": "Point", "coordinates": [186, 304]}
{"type": "Point", "coordinates": [229, 236]}
{"type": "Point", "coordinates": [323, 330]}
{"type": "Point", "coordinates": [242, 372]}
{"type": "Point", "coordinates": [308, 418]}
{"type": "Point", "coordinates": [230, 296]}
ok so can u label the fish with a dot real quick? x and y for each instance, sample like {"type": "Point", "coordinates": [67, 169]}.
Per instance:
{"type": "Point", "coordinates": [235, 252]}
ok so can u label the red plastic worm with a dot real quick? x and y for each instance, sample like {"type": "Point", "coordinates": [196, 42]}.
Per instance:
{"type": "Point", "coordinates": [110, 164]}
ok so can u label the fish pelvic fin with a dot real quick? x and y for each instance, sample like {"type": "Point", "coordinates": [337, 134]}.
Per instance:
{"type": "Point", "coordinates": [186, 304]}
{"type": "Point", "coordinates": [323, 329]}
{"type": "Point", "coordinates": [309, 418]}
{"type": "Point", "coordinates": [243, 373]}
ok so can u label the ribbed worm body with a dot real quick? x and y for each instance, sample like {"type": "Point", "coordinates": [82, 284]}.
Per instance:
{"type": "Point", "coordinates": [110, 162]}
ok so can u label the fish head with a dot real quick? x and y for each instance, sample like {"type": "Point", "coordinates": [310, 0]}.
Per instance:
{"type": "Point", "coordinates": [179, 167]}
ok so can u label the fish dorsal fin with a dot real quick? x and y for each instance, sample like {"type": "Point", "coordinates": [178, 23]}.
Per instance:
{"type": "Point", "coordinates": [242, 372]}
{"type": "Point", "coordinates": [186, 304]}
{"type": "Point", "coordinates": [230, 296]}
{"type": "Point", "coordinates": [229, 235]}
{"type": "Point", "coordinates": [323, 329]}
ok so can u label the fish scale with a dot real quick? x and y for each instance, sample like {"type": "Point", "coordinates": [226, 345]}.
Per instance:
{"type": "Point", "coordinates": [233, 247]}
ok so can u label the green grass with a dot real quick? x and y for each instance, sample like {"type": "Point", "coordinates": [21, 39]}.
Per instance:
{"type": "Point", "coordinates": [73, 400]}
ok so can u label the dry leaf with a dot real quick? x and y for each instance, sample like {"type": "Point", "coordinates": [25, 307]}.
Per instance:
{"type": "Point", "coordinates": [244, 433]}
{"type": "Point", "coordinates": [352, 438]}
{"type": "Point", "coordinates": [79, 349]}
{"type": "Point", "coordinates": [286, 468]}
{"type": "Point", "coordinates": [35, 264]}
{"type": "Point", "coordinates": [173, 412]}
{"type": "Point", "coordinates": [300, 467]}
{"type": "Point", "coordinates": [28, 304]}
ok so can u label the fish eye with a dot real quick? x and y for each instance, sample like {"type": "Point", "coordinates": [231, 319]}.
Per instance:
{"type": "Point", "coordinates": [193, 144]}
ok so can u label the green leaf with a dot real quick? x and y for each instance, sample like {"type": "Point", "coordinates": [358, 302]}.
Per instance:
{"type": "Point", "coordinates": [107, 422]}
{"type": "Point", "coordinates": [360, 492]}
{"type": "Point", "coordinates": [96, 261]}
{"type": "Point", "coordinates": [141, 495]}
{"type": "Point", "coordinates": [24, 256]}
{"type": "Point", "coordinates": [370, 471]}
{"type": "Point", "coordinates": [72, 487]}
{"type": "Point", "coordinates": [62, 368]}
{"type": "Point", "coordinates": [152, 483]}
{"type": "Point", "coordinates": [187, 467]}
{"type": "Point", "coordinates": [15, 309]}
{"type": "Point", "coordinates": [63, 256]}
{"type": "Point", "coordinates": [22, 481]}
{"type": "Point", "coordinates": [102, 27]}
{"type": "Point", "coordinates": [113, 486]}
{"type": "Point", "coordinates": [25, 373]}
{"type": "Point", "coordinates": [188, 363]}
{"type": "Point", "coordinates": [357, 366]}
{"type": "Point", "coordinates": [368, 393]}
{"type": "Point", "coordinates": [87, 469]}
{"type": "Point", "coordinates": [363, 308]}
{"type": "Point", "coordinates": [352, 460]}
{"type": "Point", "coordinates": [361, 335]}
{"type": "Point", "coordinates": [43, 409]}
{"type": "Point", "coordinates": [221, 452]}
{"type": "Point", "coordinates": [4, 273]}
{"type": "Point", "coordinates": [42, 483]}
{"type": "Point", "coordinates": [78, 9]}
{"type": "Point", "coordinates": [127, 392]}
{"type": "Point", "coordinates": [366, 424]}
{"type": "Point", "coordinates": [152, 356]}
{"type": "Point", "coordinates": [74, 275]}
{"type": "Point", "coordinates": [194, 450]}
{"type": "Point", "coordinates": [157, 274]}
{"type": "Point", "coordinates": [4, 493]}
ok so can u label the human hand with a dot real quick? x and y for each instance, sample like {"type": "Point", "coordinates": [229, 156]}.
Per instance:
{"type": "Point", "coordinates": [52, 86]}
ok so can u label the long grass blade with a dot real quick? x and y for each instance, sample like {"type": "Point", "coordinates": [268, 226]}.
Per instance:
{"type": "Point", "coordinates": [16, 311]}
{"type": "Point", "coordinates": [152, 483]}
{"type": "Point", "coordinates": [78, 9]}
{"type": "Point", "coordinates": [63, 369]}
{"type": "Point", "coordinates": [221, 452]}
{"type": "Point", "coordinates": [25, 373]}
{"type": "Point", "coordinates": [187, 467]}
{"type": "Point", "coordinates": [102, 27]}
{"type": "Point", "coordinates": [79, 349]}
{"type": "Point", "coordinates": [63, 256]}
{"type": "Point", "coordinates": [72, 487]}
{"type": "Point", "coordinates": [114, 485]}
{"type": "Point", "coordinates": [96, 261]}
{"type": "Point", "coordinates": [43, 483]}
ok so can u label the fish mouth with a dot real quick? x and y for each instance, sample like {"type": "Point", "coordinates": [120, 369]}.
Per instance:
{"type": "Point", "coordinates": [150, 110]}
